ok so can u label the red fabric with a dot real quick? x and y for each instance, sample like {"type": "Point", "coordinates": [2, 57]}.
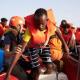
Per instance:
{"type": "Point", "coordinates": [2, 76]}
{"type": "Point", "coordinates": [70, 68]}
{"type": "Point", "coordinates": [68, 36]}
{"type": "Point", "coordinates": [77, 36]}
{"type": "Point", "coordinates": [1, 30]}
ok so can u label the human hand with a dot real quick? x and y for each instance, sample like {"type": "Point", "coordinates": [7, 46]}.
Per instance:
{"type": "Point", "coordinates": [18, 49]}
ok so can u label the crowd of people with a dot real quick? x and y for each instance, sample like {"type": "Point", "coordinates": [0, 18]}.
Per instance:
{"type": "Point", "coordinates": [28, 43]}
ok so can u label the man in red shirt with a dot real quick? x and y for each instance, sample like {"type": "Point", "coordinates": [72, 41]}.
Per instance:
{"type": "Point", "coordinates": [3, 26]}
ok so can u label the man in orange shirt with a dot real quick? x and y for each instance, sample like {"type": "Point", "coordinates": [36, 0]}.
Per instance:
{"type": "Point", "coordinates": [38, 32]}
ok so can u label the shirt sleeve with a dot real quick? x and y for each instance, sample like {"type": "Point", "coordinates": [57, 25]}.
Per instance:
{"type": "Point", "coordinates": [27, 36]}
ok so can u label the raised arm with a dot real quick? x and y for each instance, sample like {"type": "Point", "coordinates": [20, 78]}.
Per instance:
{"type": "Point", "coordinates": [19, 50]}
{"type": "Point", "coordinates": [63, 41]}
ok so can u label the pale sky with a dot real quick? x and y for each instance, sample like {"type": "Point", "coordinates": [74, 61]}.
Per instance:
{"type": "Point", "coordinates": [64, 9]}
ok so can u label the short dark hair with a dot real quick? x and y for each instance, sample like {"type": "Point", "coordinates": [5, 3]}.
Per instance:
{"type": "Point", "coordinates": [39, 12]}
{"type": "Point", "coordinates": [3, 19]}
{"type": "Point", "coordinates": [63, 21]}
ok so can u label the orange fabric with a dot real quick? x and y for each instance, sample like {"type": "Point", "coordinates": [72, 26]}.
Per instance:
{"type": "Point", "coordinates": [55, 49]}
{"type": "Point", "coordinates": [51, 16]}
{"type": "Point", "coordinates": [15, 21]}
{"type": "Point", "coordinates": [38, 36]}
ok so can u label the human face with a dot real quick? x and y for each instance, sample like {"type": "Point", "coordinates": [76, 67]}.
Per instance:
{"type": "Point", "coordinates": [16, 29]}
{"type": "Point", "coordinates": [42, 22]}
{"type": "Point", "coordinates": [66, 28]}
{"type": "Point", "coordinates": [4, 23]}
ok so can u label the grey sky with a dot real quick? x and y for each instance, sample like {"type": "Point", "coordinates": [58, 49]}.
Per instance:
{"type": "Point", "coordinates": [64, 9]}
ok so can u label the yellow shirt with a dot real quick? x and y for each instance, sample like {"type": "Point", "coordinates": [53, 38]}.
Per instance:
{"type": "Point", "coordinates": [27, 36]}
